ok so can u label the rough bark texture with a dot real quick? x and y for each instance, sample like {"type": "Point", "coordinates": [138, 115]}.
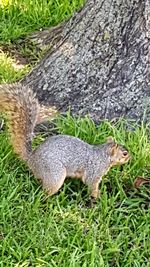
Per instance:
{"type": "Point", "coordinates": [100, 64]}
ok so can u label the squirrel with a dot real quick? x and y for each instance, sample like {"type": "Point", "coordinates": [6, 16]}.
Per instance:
{"type": "Point", "coordinates": [58, 156]}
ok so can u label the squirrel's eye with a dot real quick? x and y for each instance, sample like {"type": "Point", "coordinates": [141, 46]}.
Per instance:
{"type": "Point", "coordinates": [125, 153]}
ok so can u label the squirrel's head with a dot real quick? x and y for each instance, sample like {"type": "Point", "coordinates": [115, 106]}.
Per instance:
{"type": "Point", "coordinates": [119, 154]}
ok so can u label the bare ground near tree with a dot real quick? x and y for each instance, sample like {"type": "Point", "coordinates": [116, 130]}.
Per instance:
{"type": "Point", "coordinates": [98, 61]}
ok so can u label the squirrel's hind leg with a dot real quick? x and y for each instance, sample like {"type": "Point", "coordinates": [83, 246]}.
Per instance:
{"type": "Point", "coordinates": [54, 177]}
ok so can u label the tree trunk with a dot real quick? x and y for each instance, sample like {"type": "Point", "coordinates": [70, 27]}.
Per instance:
{"type": "Point", "coordinates": [100, 64]}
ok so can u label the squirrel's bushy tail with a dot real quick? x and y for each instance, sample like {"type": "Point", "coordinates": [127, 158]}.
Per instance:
{"type": "Point", "coordinates": [21, 107]}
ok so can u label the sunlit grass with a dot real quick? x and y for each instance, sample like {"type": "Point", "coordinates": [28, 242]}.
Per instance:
{"type": "Point", "coordinates": [10, 70]}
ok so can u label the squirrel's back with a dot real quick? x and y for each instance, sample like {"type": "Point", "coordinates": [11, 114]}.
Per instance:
{"type": "Point", "coordinates": [62, 146]}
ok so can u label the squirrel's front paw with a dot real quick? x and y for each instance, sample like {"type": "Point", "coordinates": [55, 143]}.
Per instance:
{"type": "Point", "coordinates": [95, 194]}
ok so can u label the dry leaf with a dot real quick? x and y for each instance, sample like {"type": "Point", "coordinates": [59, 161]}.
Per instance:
{"type": "Point", "coordinates": [140, 181]}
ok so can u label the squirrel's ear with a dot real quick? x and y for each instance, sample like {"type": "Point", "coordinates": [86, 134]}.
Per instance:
{"type": "Point", "coordinates": [110, 140]}
{"type": "Point", "coordinates": [113, 149]}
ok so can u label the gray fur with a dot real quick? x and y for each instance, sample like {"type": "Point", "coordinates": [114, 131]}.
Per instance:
{"type": "Point", "coordinates": [62, 156]}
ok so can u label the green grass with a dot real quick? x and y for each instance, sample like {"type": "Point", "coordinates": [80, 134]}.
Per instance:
{"type": "Point", "coordinates": [63, 230]}
{"type": "Point", "coordinates": [10, 71]}
{"type": "Point", "coordinates": [21, 17]}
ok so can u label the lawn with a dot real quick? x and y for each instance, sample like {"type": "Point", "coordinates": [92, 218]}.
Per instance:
{"type": "Point", "coordinates": [65, 230]}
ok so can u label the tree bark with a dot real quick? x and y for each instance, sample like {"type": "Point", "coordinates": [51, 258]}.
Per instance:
{"type": "Point", "coordinates": [99, 65]}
